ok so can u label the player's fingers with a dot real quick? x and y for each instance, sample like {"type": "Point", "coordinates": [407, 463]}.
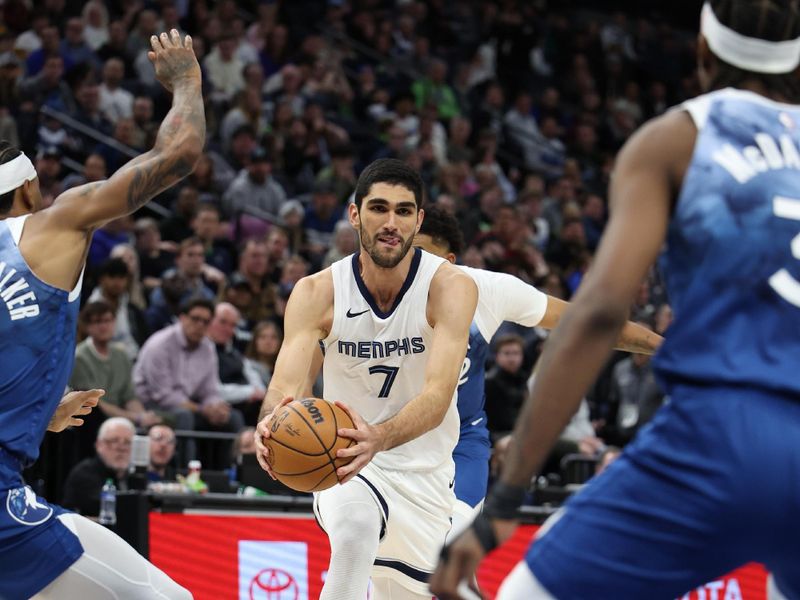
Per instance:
{"type": "Point", "coordinates": [351, 413]}
{"type": "Point", "coordinates": [187, 42]}
{"type": "Point", "coordinates": [353, 450]}
{"type": "Point", "coordinates": [155, 43]}
{"type": "Point", "coordinates": [164, 39]}
{"type": "Point", "coordinates": [73, 422]}
{"type": "Point", "coordinates": [176, 38]}
{"type": "Point", "coordinates": [353, 434]}
{"type": "Point", "coordinates": [152, 56]}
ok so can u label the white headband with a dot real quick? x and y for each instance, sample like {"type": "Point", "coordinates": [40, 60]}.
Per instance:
{"type": "Point", "coordinates": [750, 54]}
{"type": "Point", "coordinates": [16, 172]}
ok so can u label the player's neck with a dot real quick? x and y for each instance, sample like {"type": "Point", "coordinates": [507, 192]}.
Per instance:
{"type": "Point", "coordinates": [384, 284]}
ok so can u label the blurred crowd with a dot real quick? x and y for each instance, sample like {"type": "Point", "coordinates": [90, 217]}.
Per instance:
{"type": "Point", "coordinates": [512, 111]}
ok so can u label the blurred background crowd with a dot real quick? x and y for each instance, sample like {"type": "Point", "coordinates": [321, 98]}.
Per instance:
{"type": "Point", "coordinates": [512, 111]}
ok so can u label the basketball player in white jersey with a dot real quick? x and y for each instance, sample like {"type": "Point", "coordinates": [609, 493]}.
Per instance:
{"type": "Point", "coordinates": [393, 323]}
{"type": "Point", "coordinates": [501, 297]}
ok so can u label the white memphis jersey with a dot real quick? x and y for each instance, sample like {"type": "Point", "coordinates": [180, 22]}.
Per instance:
{"type": "Point", "coordinates": [375, 361]}
{"type": "Point", "coordinates": [503, 297]}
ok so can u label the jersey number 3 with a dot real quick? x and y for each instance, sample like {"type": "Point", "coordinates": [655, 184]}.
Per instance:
{"type": "Point", "coordinates": [390, 373]}
{"type": "Point", "coordinates": [782, 281]}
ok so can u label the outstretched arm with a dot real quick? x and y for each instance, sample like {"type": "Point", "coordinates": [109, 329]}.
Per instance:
{"type": "Point", "coordinates": [177, 148]}
{"type": "Point", "coordinates": [633, 337]}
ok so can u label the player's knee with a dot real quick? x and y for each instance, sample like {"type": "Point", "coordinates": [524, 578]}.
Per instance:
{"type": "Point", "coordinates": [355, 526]}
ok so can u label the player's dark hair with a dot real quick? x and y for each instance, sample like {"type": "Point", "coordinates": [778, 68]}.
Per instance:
{"type": "Point", "coordinates": [771, 20]}
{"type": "Point", "coordinates": [7, 154]}
{"type": "Point", "coordinates": [443, 229]}
{"type": "Point", "coordinates": [194, 302]}
{"type": "Point", "coordinates": [393, 172]}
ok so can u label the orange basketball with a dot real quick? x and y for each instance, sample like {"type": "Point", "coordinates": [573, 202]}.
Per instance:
{"type": "Point", "coordinates": [303, 443]}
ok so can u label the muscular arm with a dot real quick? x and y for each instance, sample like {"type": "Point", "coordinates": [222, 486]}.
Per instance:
{"type": "Point", "coordinates": [647, 176]}
{"type": "Point", "coordinates": [452, 300]}
{"type": "Point", "coordinates": [68, 224]}
{"type": "Point", "coordinates": [306, 311]}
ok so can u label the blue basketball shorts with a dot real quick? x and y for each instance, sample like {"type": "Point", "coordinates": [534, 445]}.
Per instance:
{"type": "Point", "coordinates": [711, 483]}
{"type": "Point", "coordinates": [471, 456]}
{"type": "Point", "coordinates": [35, 547]}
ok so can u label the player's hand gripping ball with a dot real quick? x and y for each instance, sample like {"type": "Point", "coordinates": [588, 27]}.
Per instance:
{"type": "Point", "coordinates": [303, 443]}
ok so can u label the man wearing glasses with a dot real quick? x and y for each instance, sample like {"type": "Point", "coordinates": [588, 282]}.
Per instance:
{"type": "Point", "coordinates": [83, 484]}
{"type": "Point", "coordinates": [176, 376]}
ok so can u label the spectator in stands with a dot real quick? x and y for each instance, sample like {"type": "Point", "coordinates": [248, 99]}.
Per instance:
{"type": "Point", "coordinates": [345, 243]}
{"type": "Point", "coordinates": [144, 127]}
{"type": "Point", "coordinates": [48, 171]}
{"type": "Point", "coordinates": [434, 90]}
{"type": "Point", "coordinates": [51, 46]}
{"type": "Point", "coordinates": [340, 173]}
{"type": "Point", "coordinates": [115, 101]}
{"type": "Point", "coordinates": [165, 312]}
{"type": "Point", "coordinates": [162, 453]}
{"type": "Point", "coordinates": [205, 180]}
{"type": "Point", "coordinates": [47, 87]}
{"type": "Point", "coordinates": [263, 349]}
{"type": "Point", "coordinates": [176, 376]}
{"type": "Point", "coordinates": [123, 133]}
{"type": "Point", "coordinates": [116, 46]}
{"type": "Point", "coordinates": [31, 39]}
{"type": "Point", "coordinates": [127, 253]}
{"type": "Point", "coordinates": [505, 385]}
{"type": "Point", "coordinates": [247, 111]}
{"type": "Point", "coordinates": [86, 479]}
{"type": "Point", "coordinates": [94, 169]}
{"type": "Point", "coordinates": [634, 397]}
{"type": "Point", "coordinates": [87, 97]}
{"type": "Point", "coordinates": [95, 28]}
{"type": "Point", "coordinates": [238, 293]}
{"type": "Point", "coordinates": [240, 382]}
{"type": "Point", "coordinates": [154, 255]}
{"type": "Point", "coordinates": [255, 188]}
{"type": "Point", "coordinates": [104, 239]}
{"type": "Point", "coordinates": [224, 69]}
{"type": "Point", "coordinates": [321, 218]}
{"type": "Point", "coordinates": [177, 227]}
{"type": "Point", "coordinates": [190, 263]}
{"type": "Point", "coordinates": [139, 39]}
{"type": "Point", "coordinates": [219, 251]}
{"type": "Point", "coordinates": [131, 328]}
{"type": "Point", "coordinates": [254, 267]}
{"type": "Point", "coordinates": [101, 364]}
{"type": "Point", "coordinates": [74, 48]}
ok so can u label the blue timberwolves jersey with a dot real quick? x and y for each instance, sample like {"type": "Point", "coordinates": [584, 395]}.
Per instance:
{"type": "Point", "coordinates": [732, 258]}
{"type": "Point", "coordinates": [37, 346]}
{"type": "Point", "coordinates": [501, 297]}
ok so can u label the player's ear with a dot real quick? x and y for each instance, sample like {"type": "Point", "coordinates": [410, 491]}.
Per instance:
{"type": "Point", "coordinates": [420, 217]}
{"type": "Point", "coordinates": [451, 258]}
{"type": "Point", "coordinates": [353, 215]}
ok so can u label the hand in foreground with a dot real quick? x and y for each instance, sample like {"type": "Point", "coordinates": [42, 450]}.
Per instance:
{"type": "Point", "coordinates": [263, 432]}
{"type": "Point", "coordinates": [368, 444]}
{"type": "Point", "coordinates": [173, 59]}
{"type": "Point", "coordinates": [73, 405]}
{"type": "Point", "coordinates": [459, 560]}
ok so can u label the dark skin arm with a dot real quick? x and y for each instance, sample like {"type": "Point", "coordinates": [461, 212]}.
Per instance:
{"type": "Point", "coordinates": [56, 239]}
{"type": "Point", "coordinates": [648, 176]}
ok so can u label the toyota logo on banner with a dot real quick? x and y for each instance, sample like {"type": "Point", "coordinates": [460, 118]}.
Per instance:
{"type": "Point", "coordinates": [274, 584]}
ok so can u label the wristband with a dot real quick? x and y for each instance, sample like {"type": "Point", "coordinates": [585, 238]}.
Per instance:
{"type": "Point", "coordinates": [484, 531]}
{"type": "Point", "coordinates": [503, 501]}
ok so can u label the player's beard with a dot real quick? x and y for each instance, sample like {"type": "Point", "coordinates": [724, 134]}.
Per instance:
{"type": "Point", "coordinates": [385, 261]}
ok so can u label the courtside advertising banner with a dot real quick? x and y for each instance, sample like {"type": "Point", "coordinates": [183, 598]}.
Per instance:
{"type": "Point", "coordinates": [282, 556]}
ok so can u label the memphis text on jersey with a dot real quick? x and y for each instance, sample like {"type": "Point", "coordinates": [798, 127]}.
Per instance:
{"type": "Point", "coordinates": [768, 154]}
{"type": "Point", "coordinates": [401, 347]}
{"type": "Point", "coordinates": [19, 299]}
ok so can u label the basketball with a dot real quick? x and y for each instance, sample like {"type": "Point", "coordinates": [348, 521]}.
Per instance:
{"type": "Point", "coordinates": [303, 443]}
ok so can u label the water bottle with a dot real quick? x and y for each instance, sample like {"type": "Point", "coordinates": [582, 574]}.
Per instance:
{"type": "Point", "coordinates": [108, 503]}
{"type": "Point", "coordinates": [193, 481]}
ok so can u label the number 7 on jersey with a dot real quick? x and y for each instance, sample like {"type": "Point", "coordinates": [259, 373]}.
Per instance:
{"type": "Point", "coordinates": [390, 373]}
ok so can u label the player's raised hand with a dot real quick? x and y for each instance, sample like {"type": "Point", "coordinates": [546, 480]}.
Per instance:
{"type": "Point", "coordinates": [263, 432]}
{"type": "Point", "coordinates": [72, 406]}
{"type": "Point", "coordinates": [174, 59]}
{"type": "Point", "coordinates": [368, 444]}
